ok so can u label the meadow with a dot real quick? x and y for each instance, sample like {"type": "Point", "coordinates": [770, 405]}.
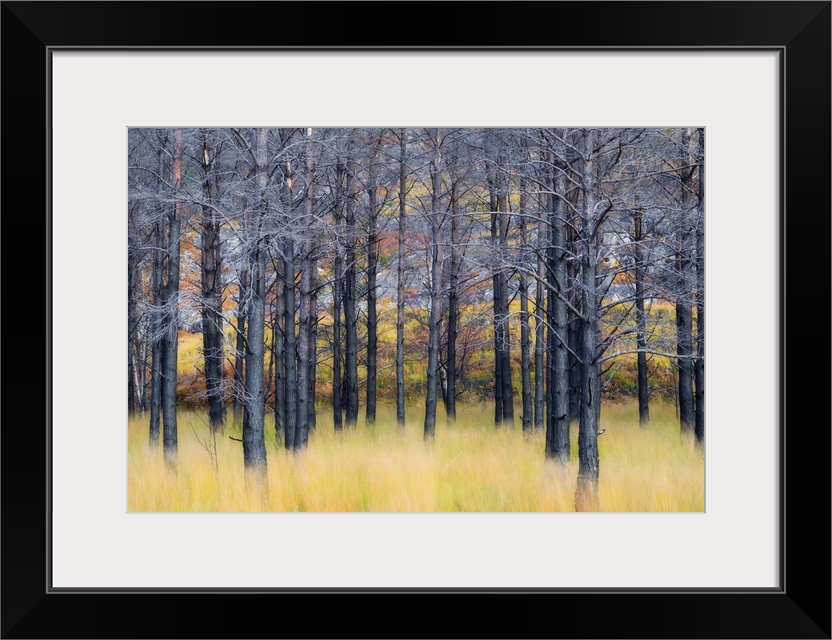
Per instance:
{"type": "Point", "coordinates": [471, 466]}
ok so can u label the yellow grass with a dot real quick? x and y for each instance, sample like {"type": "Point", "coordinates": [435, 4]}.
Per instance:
{"type": "Point", "coordinates": [471, 467]}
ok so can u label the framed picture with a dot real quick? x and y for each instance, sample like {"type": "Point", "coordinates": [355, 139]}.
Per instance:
{"type": "Point", "coordinates": [79, 562]}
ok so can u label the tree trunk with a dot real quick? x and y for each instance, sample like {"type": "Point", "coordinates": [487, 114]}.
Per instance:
{"type": "Point", "coordinates": [498, 359]}
{"type": "Point", "coordinates": [525, 339]}
{"type": "Point", "coordinates": [313, 337]}
{"type": "Point", "coordinates": [169, 373]}
{"type": "Point", "coordinates": [157, 323]}
{"type": "Point", "coordinates": [496, 298]}
{"type": "Point", "coordinates": [559, 356]}
{"type": "Point", "coordinates": [558, 446]}
{"type": "Point", "coordinates": [453, 307]}
{"type": "Point", "coordinates": [504, 325]}
{"type": "Point", "coordinates": [171, 342]}
{"type": "Point", "coordinates": [290, 344]}
{"type": "Point", "coordinates": [305, 310]}
{"type": "Point", "coordinates": [400, 410]}
{"type": "Point", "coordinates": [254, 443]}
{"type": "Point", "coordinates": [142, 368]}
{"type": "Point", "coordinates": [641, 322]}
{"type": "Point", "coordinates": [304, 352]}
{"type": "Point", "coordinates": [575, 342]}
{"type": "Point", "coordinates": [350, 318]}
{"type": "Point", "coordinates": [279, 349]}
{"type": "Point", "coordinates": [431, 392]}
{"type": "Point", "coordinates": [240, 348]}
{"type": "Point", "coordinates": [271, 325]}
{"type": "Point", "coordinates": [131, 331]}
{"type": "Point", "coordinates": [337, 296]}
{"type": "Point", "coordinates": [684, 340]}
{"type": "Point", "coordinates": [372, 318]}
{"type": "Point", "coordinates": [699, 367]}
{"type": "Point", "coordinates": [586, 496]}
{"type": "Point", "coordinates": [684, 310]}
{"type": "Point", "coordinates": [539, 332]}
{"type": "Point", "coordinates": [211, 281]}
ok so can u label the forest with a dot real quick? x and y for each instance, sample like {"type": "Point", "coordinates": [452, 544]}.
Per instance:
{"type": "Point", "coordinates": [416, 319]}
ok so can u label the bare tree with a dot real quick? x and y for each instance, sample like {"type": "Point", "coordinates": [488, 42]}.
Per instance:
{"type": "Point", "coordinates": [558, 445]}
{"type": "Point", "coordinates": [400, 391]}
{"type": "Point", "coordinates": [305, 361]}
{"type": "Point", "coordinates": [171, 341]}
{"type": "Point", "coordinates": [372, 274]}
{"type": "Point", "coordinates": [350, 315]}
{"type": "Point", "coordinates": [697, 142]}
{"type": "Point", "coordinates": [435, 219]}
{"type": "Point", "coordinates": [641, 319]}
{"type": "Point", "coordinates": [684, 312]}
{"type": "Point", "coordinates": [500, 223]}
{"type": "Point", "coordinates": [239, 346]}
{"type": "Point", "coordinates": [525, 338]}
{"type": "Point", "coordinates": [338, 299]}
{"type": "Point", "coordinates": [158, 301]}
{"type": "Point", "coordinates": [254, 444]}
{"type": "Point", "coordinates": [591, 216]}
{"type": "Point", "coordinates": [211, 283]}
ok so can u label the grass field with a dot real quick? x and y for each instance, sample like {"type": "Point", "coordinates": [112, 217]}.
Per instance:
{"type": "Point", "coordinates": [471, 467]}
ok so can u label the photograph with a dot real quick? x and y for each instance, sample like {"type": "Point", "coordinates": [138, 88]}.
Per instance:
{"type": "Point", "coordinates": [416, 313]}
{"type": "Point", "coordinates": [410, 319]}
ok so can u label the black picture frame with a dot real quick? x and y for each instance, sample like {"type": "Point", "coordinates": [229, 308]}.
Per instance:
{"type": "Point", "coordinates": [799, 608]}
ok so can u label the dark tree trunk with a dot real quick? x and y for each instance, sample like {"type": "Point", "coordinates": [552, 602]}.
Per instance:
{"type": "Point", "coordinates": [539, 333]}
{"type": "Point", "coordinates": [431, 394]}
{"type": "Point", "coordinates": [684, 340]}
{"type": "Point", "coordinates": [211, 281]}
{"type": "Point", "coordinates": [304, 353]}
{"type": "Point", "coordinates": [641, 322]}
{"type": "Point", "coordinates": [350, 317]}
{"type": "Point", "coordinates": [685, 288]}
{"type": "Point", "coordinates": [586, 496]}
{"type": "Point", "coordinates": [496, 299]}
{"type": "Point", "coordinates": [279, 350]}
{"type": "Point", "coordinates": [132, 329]}
{"type": "Point", "coordinates": [699, 367]}
{"type": "Point", "coordinates": [558, 446]}
{"type": "Point", "coordinates": [400, 415]}
{"type": "Point", "coordinates": [453, 307]}
{"type": "Point", "coordinates": [337, 295]}
{"type": "Point", "coordinates": [498, 360]}
{"type": "Point", "coordinates": [169, 373]}
{"type": "Point", "coordinates": [305, 310]}
{"type": "Point", "coordinates": [290, 344]}
{"type": "Point", "coordinates": [337, 304]}
{"type": "Point", "coordinates": [504, 325]}
{"type": "Point", "coordinates": [575, 343]}
{"type": "Point", "coordinates": [240, 348]}
{"type": "Point", "coordinates": [171, 324]}
{"type": "Point", "coordinates": [271, 325]}
{"type": "Point", "coordinates": [157, 319]}
{"type": "Point", "coordinates": [372, 318]}
{"type": "Point", "coordinates": [313, 338]}
{"type": "Point", "coordinates": [254, 443]}
{"type": "Point", "coordinates": [525, 338]}
{"type": "Point", "coordinates": [142, 367]}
